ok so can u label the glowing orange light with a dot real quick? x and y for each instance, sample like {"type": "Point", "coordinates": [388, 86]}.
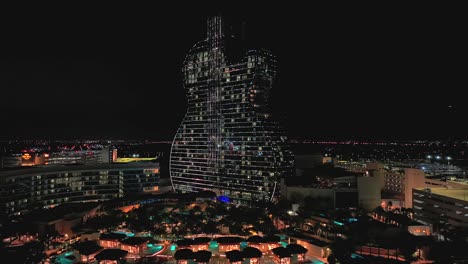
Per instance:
{"type": "Point", "coordinates": [26, 156]}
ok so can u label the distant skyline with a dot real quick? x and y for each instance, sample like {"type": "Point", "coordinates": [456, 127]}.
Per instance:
{"type": "Point", "coordinates": [343, 73]}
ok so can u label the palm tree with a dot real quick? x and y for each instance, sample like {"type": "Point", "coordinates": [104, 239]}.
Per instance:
{"type": "Point", "coordinates": [210, 227]}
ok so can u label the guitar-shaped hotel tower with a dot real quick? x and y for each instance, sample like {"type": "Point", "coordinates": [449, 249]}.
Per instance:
{"type": "Point", "coordinates": [227, 141]}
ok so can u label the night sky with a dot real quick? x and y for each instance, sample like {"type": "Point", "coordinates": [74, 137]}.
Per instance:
{"type": "Point", "coordinates": [343, 72]}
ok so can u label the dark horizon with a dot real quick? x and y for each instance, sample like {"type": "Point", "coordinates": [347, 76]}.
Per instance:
{"type": "Point", "coordinates": [343, 74]}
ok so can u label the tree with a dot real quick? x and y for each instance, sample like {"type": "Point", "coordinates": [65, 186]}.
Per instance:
{"type": "Point", "coordinates": [342, 249]}
{"type": "Point", "coordinates": [316, 204]}
{"type": "Point", "coordinates": [159, 231]}
{"type": "Point", "coordinates": [283, 205]}
{"type": "Point", "coordinates": [210, 227]}
{"type": "Point", "coordinates": [331, 259]}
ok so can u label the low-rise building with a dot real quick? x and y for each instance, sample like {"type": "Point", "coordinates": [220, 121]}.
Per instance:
{"type": "Point", "coordinates": [111, 240]}
{"type": "Point", "coordinates": [135, 245]}
{"type": "Point", "coordinates": [87, 251]}
{"type": "Point", "coordinates": [196, 244]}
{"type": "Point", "coordinates": [315, 247]}
{"type": "Point", "coordinates": [111, 256]}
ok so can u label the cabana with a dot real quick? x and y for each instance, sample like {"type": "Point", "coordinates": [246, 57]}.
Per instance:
{"type": "Point", "coordinates": [87, 250]}
{"type": "Point", "coordinates": [229, 243]}
{"type": "Point", "coordinates": [257, 242]}
{"type": "Point", "coordinates": [202, 256]}
{"type": "Point", "coordinates": [235, 256]}
{"type": "Point", "coordinates": [282, 255]}
{"type": "Point", "coordinates": [272, 241]}
{"type": "Point", "coordinates": [252, 254]}
{"type": "Point", "coordinates": [111, 256]}
{"type": "Point", "coordinates": [183, 255]}
{"type": "Point", "coordinates": [201, 243]}
{"type": "Point", "coordinates": [297, 251]}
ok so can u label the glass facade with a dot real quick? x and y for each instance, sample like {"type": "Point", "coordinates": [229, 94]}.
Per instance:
{"type": "Point", "coordinates": [228, 142]}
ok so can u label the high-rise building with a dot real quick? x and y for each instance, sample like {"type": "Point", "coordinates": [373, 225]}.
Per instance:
{"type": "Point", "coordinates": [399, 185]}
{"type": "Point", "coordinates": [228, 142]}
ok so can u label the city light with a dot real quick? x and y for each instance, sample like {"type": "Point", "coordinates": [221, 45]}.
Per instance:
{"type": "Point", "coordinates": [229, 185]}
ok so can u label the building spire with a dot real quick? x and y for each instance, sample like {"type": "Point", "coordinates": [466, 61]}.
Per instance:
{"type": "Point", "coordinates": [215, 32]}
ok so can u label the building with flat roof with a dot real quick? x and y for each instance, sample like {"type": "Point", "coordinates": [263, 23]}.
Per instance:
{"type": "Point", "coordinates": [29, 188]}
{"type": "Point", "coordinates": [87, 250]}
{"type": "Point", "coordinates": [395, 183]}
{"type": "Point", "coordinates": [441, 206]}
{"type": "Point", "coordinates": [399, 185]}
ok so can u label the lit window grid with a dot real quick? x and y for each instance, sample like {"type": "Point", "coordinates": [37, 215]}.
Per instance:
{"type": "Point", "coordinates": [24, 192]}
{"type": "Point", "coordinates": [250, 150]}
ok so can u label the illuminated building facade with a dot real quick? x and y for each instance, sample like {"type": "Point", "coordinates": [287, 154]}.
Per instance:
{"type": "Point", "coordinates": [111, 240]}
{"type": "Point", "coordinates": [46, 187]}
{"type": "Point", "coordinates": [400, 184]}
{"type": "Point", "coordinates": [10, 161]}
{"type": "Point", "coordinates": [228, 142]}
{"type": "Point", "coordinates": [440, 206]}
{"type": "Point", "coordinates": [63, 156]}
{"type": "Point", "coordinates": [134, 245]}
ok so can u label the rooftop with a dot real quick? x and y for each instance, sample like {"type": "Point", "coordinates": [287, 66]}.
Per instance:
{"type": "Point", "coordinates": [251, 252]}
{"type": "Point", "coordinates": [135, 241]}
{"type": "Point", "coordinates": [111, 254]}
{"type": "Point", "coordinates": [202, 256]}
{"type": "Point", "coordinates": [87, 248]}
{"type": "Point", "coordinates": [229, 240]}
{"type": "Point", "coordinates": [309, 239]}
{"type": "Point", "coordinates": [296, 249]}
{"type": "Point", "coordinates": [76, 167]}
{"type": "Point", "coordinates": [113, 236]}
{"type": "Point", "coordinates": [271, 239]}
{"type": "Point", "coordinates": [201, 240]}
{"type": "Point", "coordinates": [63, 211]}
{"type": "Point", "coordinates": [185, 242]}
{"type": "Point", "coordinates": [235, 256]}
{"type": "Point", "coordinates": [256, 239]}
{"type": "Point", "coordinates": [184, 254]}
{"type": "Point", "coordinates": [282, 252]}
{"type": "Point", "coordinates": [459, 194]}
